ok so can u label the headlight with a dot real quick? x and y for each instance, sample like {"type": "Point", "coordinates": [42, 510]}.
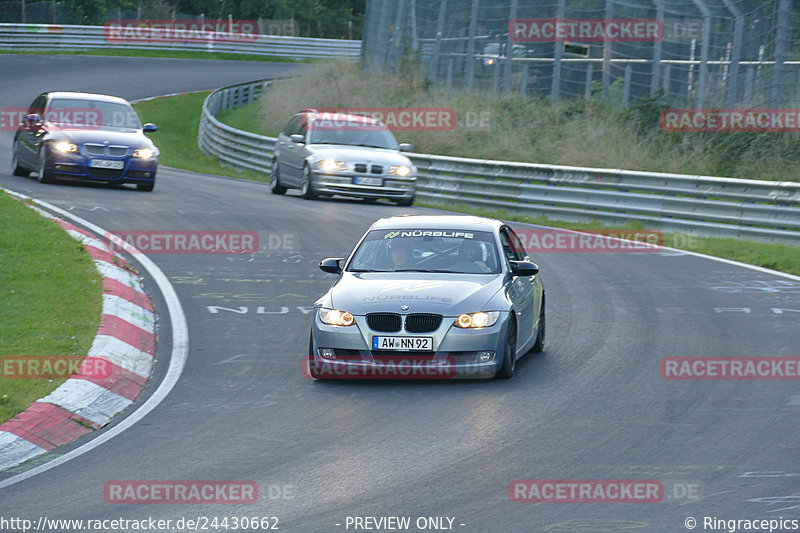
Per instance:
{"type": "Point", "coordinates": [64, 147]}
{"type": "Point", "coordinates": [335, 317]}
{"type": "Point", "coordinates": [400, 170]}
{"type": "Point", "coordinates": [144, 153]}
{"type": "Point", "coordinates": [329, 165]}
{"type": "Point", "coordinates": [481, 319]}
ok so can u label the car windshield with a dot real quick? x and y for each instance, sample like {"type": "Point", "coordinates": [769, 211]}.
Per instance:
{"type": "Point", "coordinates": [412, 250]}
{"type": "Point", "coordinates": [91, 113]}
{"type": "Point", "coordinates": [353, 133]}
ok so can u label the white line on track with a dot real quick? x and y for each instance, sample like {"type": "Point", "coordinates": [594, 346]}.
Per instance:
{"type": "Point", "coordinates": [180, 350]}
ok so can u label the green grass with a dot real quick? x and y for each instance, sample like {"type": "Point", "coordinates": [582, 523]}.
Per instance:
{"type": "Point", "coordinates": [178, 118]}
{"type": "Point", "coordinates": [51, 294]}
{"type": "Point", "coordinates": [172, 54]}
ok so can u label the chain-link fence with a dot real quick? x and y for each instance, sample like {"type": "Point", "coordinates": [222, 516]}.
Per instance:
{"type": "Point", "coordinates": [697, 53]}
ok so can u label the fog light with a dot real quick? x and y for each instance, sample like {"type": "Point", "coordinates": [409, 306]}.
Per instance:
{"type": "Point", "coordinates": [484, 357]}
{"type": "Point", "coordinates": [327, 353]}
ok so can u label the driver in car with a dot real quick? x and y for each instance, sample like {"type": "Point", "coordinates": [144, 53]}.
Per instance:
{"type": "Point", "coordinates": [470, 258]}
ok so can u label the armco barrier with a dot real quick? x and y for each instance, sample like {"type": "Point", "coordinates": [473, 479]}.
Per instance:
{"type": "Point", "coordinates": [704, 205]}
{"type": "Point", "coordinates": [67, 37]}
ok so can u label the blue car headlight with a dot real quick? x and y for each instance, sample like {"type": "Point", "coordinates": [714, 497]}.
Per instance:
{"type": "Point", "coordinates": [65, 146]}
{"type": "Point", "coordinates": [481, 319]}
{"type": "Point", "coordinates": [144, 153]}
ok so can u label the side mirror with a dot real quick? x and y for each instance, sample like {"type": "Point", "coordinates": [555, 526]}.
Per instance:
{"type": "Point", "coordinates": [297, 138]}
{"type": "Point", "coordinates": [331, 265]}
{"type": "Point", "coordinates": [149, 127]}
{"type": "Point", "coordinates": [32, 120]}
{"type": "Point", "coordinates": [406, 147]}
{"type": "Point", "coordinates": [524, 268]}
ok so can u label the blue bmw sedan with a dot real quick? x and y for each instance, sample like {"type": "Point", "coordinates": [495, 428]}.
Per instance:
{"type": "Point", "coordinates": [71, 136]}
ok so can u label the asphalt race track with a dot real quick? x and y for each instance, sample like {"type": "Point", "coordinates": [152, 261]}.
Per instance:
{"type": "Point", "coordinates": [592, 406]}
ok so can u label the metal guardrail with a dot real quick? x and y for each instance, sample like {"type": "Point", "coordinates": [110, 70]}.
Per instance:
{"type": "Point", "coordinates": [705, 205]}
{"type": "Point", "coordinates": [67, 37]}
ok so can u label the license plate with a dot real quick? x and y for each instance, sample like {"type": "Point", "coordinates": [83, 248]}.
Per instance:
{"type": "Point", "coordinates": [402, 343]}
{"type": "Point", "coordinates": [106, 163]}
{"type": "Point", "coordinates": [359, 180]}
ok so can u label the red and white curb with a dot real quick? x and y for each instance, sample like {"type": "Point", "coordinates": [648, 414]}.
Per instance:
{"type": "Point", "coordinates": [126, 339]}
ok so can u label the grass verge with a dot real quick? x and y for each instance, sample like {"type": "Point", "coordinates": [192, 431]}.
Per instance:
{"type": "Point", "coordinates": [52, 299]}
{"type": "Point", "coordinates": [178, 118]}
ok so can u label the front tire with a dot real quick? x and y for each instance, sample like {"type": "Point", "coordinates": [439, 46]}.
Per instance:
{"type": "Point", "coordinates": [45, 176]}
{"type": "Point", "coordinates": [539, 345]}
{"type": "Point", "coordinates": [306, 190]}
{"type": "Point", "coordinates": [509, 353]}
{"type": "Point", "coordinates": [16, 168]}
{"type": "Point", "coordinates": [275, 179]}
{"type": "Point", "coordinates": [405, 202]}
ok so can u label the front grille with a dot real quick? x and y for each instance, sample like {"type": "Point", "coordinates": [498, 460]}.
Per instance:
{"type": "Point", "coordinates": [423, 323]}
{"type": "Point", "coordinates": [117, 151]}
{"type": "Point", "coordinates": [386, 322]}
{"type": "Point", "coordinates": [377, 169]}
{"type": "Point", "coordinates": [95, 149]}
{"type": "Point", "coordinates": [360, 167]}
{"type": "Point", "coordinates": [101, 149]}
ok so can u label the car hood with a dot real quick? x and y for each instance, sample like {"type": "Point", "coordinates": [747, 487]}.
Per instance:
{"type": "Point", "coordinates": [444, 294]}
{"type": "Point", "coordinates": [134, 138]}
{"type": "Point", "coordinates": [358, 154]}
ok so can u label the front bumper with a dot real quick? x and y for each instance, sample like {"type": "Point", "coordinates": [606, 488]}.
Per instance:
{"type": "Point", "coordinates": [345, 353]}
{"type": "Point", "coordinates": [75, 167]}
{"type": "Point", "coordinates": [343, 184]}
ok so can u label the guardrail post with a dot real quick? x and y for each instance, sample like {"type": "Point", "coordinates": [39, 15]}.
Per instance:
{"type": "Point", "coordinates": [469, 73]}
{"type": "Point", "coordinates": [656, 50]}
{"type": "Point", "coordinates": [495, 80]}
{"type": "Point", "coordinates": [626, 88]}
{"type": "Point", "coordinates": [509, 53]}
{"type": "Point", "coordinates": [607, 53]}
{"type": "Point", "coordinates": [449, 79]}
{"type": "Point", "coordinates": [437, 47]}
{"type": "Point", "coordinates": [587, 90]}
{"type": "Point", "coordinates": [523, 89]}
{"type": "Point", "coordinates": [776, 94]}
{"type": "Point", "coordinates": [558, 48]}
{"type": "Point", "coordinates": [736, 54]}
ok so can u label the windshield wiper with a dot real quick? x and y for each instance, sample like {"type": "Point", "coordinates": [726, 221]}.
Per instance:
{"type": "Point", "coordinates": [371, 146]}
{"type": "Point", "coordinates": [425, 270]}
